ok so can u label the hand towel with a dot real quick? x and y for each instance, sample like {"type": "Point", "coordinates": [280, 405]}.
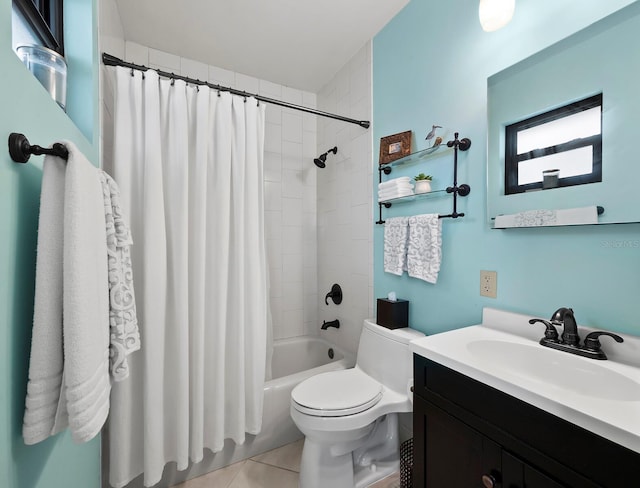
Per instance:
{"type": "Point", "coordinates": [424, 250]}
{"type": "Point", "coordinates": [69, 368]}
{"type": "Point", "coordinates": [46, 362]}
{"type": "Point", "coordinates": [124, 335]}
{"type": "Point", "coordinates": [395, 245]}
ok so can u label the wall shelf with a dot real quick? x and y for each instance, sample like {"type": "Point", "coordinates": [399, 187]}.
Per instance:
{"type": "Point", "coordinates": [429, 153]}
{"type": "Point", "coordinates": [461, 190]}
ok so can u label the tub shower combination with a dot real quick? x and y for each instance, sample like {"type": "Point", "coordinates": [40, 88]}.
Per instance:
{"type": "Point", "coordinates": [294, 360]}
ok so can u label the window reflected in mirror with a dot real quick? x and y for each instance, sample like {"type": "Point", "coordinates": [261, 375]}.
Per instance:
{"type": "Point", "coordinates": [558, 148]}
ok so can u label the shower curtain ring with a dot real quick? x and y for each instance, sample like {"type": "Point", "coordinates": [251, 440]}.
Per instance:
{"type": "Point", "coordinates": [132, 72]}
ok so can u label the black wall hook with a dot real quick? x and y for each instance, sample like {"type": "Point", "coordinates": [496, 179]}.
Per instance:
{"type": "Point", "coordinates": [20, 150]}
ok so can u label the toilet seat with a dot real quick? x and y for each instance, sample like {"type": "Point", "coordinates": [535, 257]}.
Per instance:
{"type": "Point", "coordinates": [337, 393]}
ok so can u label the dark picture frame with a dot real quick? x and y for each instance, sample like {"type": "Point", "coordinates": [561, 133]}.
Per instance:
{"type": "Point", "coordinates": [394, 147]}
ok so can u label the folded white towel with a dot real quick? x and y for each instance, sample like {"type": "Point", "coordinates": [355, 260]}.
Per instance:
{"type": "Point", "coordinates": [424, 250]}
{"type": "Point", "coordinates": [395, 245]}
{"type": "Point", "coordinates": [395, 188]}
{"type": "Point", "coordinates": [403, 180]}
{"type": "Point", "coordinates": [123, 323]}
{"type": "Point", "coordinates": [72, 306]}
{"type": "Point", "coordinates": [542, 217]}
{"type": "Point", "coordinates": [389, 195]}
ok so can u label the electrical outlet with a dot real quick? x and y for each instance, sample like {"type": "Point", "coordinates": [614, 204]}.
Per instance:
{"type": "Point", "coordinates": [488, 284]}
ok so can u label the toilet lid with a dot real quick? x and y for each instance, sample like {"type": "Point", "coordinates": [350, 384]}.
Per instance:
{"type": "Point", "coordinates": [337, 393]}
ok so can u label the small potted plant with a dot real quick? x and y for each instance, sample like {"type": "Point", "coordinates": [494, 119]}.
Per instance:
{"type": "Point", "coordinates": [423, 183]}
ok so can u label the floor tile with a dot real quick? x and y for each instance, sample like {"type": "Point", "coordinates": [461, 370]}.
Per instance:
{"type": "Point", "coordinates": [392, 481]}
{"type": "Point", "coordinates": [287, 457]}
{"type": "Point", "coordinates": [258, 475]}
{"type": "Point", "coordinates": [220, 478]}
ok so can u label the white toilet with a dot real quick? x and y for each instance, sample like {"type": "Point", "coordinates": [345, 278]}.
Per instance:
{"type": "Point", "coordinates": [350, 417]}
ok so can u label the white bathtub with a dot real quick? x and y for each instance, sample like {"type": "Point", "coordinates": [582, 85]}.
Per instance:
{"type": "Point", "coordinates": [293, 361]}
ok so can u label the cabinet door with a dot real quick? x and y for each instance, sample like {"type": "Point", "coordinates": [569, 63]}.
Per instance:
{"type": "Point", "coordinates": [518, 474]}
{"type": "Point", "coordinates": [448, 453]}
{"type": "Point", "coordinates": [535, 479]}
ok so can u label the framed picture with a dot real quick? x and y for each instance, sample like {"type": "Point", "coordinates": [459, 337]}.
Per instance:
{"type": "Point", "coordinates": [395, 147]}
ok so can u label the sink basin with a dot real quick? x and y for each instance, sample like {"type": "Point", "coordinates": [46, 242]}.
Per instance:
{"type": "Point", "coordinates": [504, 353]}
{"type": "Point", "coordinates": [557, 369]}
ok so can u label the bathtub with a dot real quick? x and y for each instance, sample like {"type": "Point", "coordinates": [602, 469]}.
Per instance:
{"type": "Point", "coordinates": [293, 360]}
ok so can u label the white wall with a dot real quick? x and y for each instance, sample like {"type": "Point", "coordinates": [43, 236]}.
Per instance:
{"type": "Point", "coordinates": [290, 182]}
{"type": "Point", "coordinates": [345, 215]}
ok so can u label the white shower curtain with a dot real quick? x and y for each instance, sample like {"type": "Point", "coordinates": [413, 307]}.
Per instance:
{"type": "Point", "coordinates": [189, 163]}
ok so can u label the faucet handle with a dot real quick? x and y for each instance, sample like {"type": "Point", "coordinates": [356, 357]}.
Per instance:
{"type": "Point", "coordinates": [592, 341]}
{"type": "Point", "coordinates": [550, 333]}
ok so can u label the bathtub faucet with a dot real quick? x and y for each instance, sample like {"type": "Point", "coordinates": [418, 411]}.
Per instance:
{"type": "Point", "coordinates": [334, 323]}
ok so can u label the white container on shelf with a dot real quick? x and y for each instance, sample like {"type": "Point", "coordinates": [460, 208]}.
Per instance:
{"type": "Point", "coordinates": [423, 186]}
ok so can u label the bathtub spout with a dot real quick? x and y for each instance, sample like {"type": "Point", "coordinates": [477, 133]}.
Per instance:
{"type": "Point", "coordinates": [333, 323]}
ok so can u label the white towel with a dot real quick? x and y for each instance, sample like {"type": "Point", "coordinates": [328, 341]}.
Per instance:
{"type": "Point", "coordinates": [46, 363]}
{"type": "Point", "coordinates": [403, 181]}
{"type": "Point", "coordinates": [85, 299]}
{"type": "Point", "coordinates": [389, 195]}
{"type": "Point", "coordinates": [424, 250]}
{"type": "Point", "coordinates": [74, 308]}
{"type": "Point", "coordinates": [395, 245]}
{"type": "Point", "coordinates": [124, 335]}
{"type": "Point", "coordinates": [543, 217]}
{"type": "Point", "coordinates": [396, 187]}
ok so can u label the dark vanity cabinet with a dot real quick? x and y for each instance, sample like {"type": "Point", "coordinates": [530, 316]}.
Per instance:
{"type": "Point", "coordinates": [467, 435]}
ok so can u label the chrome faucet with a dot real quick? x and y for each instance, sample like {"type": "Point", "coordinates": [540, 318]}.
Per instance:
{"type": "Point", "coordinates": [570, 340]}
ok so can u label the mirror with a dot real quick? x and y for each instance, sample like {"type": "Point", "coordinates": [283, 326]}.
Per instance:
{"type": "Point", "coordinates": [602, 58]}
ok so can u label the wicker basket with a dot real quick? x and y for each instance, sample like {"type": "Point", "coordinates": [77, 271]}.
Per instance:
{"type": "Point", "coordinates": [406, 464]}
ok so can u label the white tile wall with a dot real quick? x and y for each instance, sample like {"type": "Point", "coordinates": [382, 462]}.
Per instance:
{"type": "Point", "coordinates": [290, 184]}
{"type": "Point", "coordinates": [345, 211]}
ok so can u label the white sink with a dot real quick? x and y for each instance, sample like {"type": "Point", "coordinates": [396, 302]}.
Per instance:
{"type": "Point", "coordinates": [557, 369]}
{"type": "Point", "coordinates": [504, 353]}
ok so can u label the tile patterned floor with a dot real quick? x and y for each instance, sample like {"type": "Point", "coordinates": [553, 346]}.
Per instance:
{"type": "Point", "coordinates": [278, 468]}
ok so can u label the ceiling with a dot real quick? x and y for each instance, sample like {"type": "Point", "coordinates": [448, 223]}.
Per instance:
{"type": "Point", "coordinates": [296, 43]}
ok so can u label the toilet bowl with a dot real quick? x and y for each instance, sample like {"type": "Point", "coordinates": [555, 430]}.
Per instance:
{"type": "Point", "coordinates": [350, 417]}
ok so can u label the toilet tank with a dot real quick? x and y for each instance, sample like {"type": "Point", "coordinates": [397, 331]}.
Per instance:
{"type": "Point", "coordinates": [384, 354]}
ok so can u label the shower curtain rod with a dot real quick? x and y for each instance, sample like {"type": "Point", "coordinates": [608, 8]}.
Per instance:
{"type": "Point", "coordinates": [110, 60]}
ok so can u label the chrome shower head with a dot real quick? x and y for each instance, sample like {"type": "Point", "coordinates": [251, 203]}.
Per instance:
{"type": "Point", "coordinates": [320, 161]}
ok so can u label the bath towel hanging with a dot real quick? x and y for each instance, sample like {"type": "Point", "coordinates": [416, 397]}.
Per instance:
{"type": "Point", "coordinates": [69, 367]}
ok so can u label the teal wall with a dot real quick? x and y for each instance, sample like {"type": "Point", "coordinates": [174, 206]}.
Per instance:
{"type": "Point", "coordinates": [25, 107]}
{"type": "Point", "coordinates": [430, 66]}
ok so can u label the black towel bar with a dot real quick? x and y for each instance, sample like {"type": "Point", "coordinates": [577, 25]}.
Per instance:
{"type": "Point", "coordinates": [20, 150]}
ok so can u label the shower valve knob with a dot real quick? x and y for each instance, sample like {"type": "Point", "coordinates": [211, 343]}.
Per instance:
{"type": "Point", "coordinates": [335, 294]}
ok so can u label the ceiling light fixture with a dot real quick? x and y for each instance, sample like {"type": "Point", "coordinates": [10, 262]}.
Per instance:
{"type": "Point", "coordinates": [495, 14]}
